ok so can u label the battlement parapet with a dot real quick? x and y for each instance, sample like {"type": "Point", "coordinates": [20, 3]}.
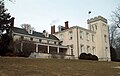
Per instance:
{"type": "Point", "coordinates": [97, 19]}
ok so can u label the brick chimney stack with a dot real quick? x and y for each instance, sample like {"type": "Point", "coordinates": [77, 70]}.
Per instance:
{"type": "Point", "coordinates": [53, 29]}
{"type": "Point", "coordinates": [66, 25]}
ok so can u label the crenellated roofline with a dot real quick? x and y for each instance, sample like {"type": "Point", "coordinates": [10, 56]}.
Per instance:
{"type": "Point", "coordinates": [97, 19]}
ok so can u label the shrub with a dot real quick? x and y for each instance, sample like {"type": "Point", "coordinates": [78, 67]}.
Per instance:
{"type": "Point", "coordinates": [88, 56]}
{"type": "Point", "coordinates": [83, 56]}
{"type": "Point", "coordinates": [94, 57]}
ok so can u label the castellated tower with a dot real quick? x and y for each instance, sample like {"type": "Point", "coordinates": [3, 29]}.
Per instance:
{"type": "Point", "coordinates": [99, 25]}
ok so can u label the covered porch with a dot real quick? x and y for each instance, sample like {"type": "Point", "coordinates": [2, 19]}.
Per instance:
{"type": "Point", "coordinates": [51, 51]}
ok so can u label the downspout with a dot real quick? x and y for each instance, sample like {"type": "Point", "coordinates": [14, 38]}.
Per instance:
{"type": "Point", "coordinates": [77, 43]}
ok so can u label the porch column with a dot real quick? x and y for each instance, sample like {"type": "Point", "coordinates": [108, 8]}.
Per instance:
{"type": "Point", "coordinates": [36, 47]}
{"type": "Point", "coordinates": [48, 49]}
{"type": "Point", "coordinates": [58, 49]}
{"type": "Point", "coordinates": [21, 47]}
{"type": "Point", "coordinates": [70, 51]}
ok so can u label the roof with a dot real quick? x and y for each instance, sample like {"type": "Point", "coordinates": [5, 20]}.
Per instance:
{"type": "Point", "coordinates": [36, 34]}
{"type": "Point", "coordinates": [81, 28]}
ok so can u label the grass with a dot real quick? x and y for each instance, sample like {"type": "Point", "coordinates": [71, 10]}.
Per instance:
{"type": "Point", "coordinates": [56, 67]}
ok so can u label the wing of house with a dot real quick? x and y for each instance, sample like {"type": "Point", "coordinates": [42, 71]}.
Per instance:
{"type": "Point", "coordinates": [45, 44]}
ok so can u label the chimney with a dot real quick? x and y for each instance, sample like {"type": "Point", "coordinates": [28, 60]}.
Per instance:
{"type": "Point", "coordinates": [12, 22]}
{"type": "Point", "coordinates": [66, 25]}
{"type": "Point", "coordinates": [53, 29]}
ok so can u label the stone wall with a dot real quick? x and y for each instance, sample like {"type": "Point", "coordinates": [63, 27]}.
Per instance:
{"type": "Point", "coordinates": [45, 55]}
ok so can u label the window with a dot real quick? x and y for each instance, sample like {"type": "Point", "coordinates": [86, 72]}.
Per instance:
{"type": "Point", "coordinates": [106, 51]}
{"type": "Point", "coordinates": [22, 37]}
{"type": "Point", "coordinates": [87, 34]}
{"type": "Point", "coordinates": [44, 41]}
{"type": "Point", "coordinates": [105, 37]}
{"type": "Point", "coordinates": [104, 27]}
{"type": "Point", "coordinates": [70, 35]}
{"type": "Point", "coordinates": [48, 41]}
{"type": "Point", "coordinates": [82, 48]}
{"type": "Point", "coordinates": [106, 48]}
{"type": "Point", "coordinates": [30, 31]}
{"type": "Point", "coordinates": [70, 32]}
{"type": "Point", "coordinates": [92, 27]}
{"type": "Point", "coordinates": [95, 26]}
{"type": "Point", "coordinates": [71, 51]}
{"type": "Point", "coordinates": [40, 40]}
{"type": "Point", "coordinates": [61, 37]}
{"type": "Point", "coordinates": [93, 49]}
{"type": "Point", "coordinates": [88, 49]}
{"type": "Point", "coordinates": [31, 39]}
{"type": "Point", "coordinates": [71, 46]}
{"type": "Point", "coordinates": [81, 34]}
{"type": "Point", "coordinates": [92, 38]}
{"type": "Point", "coordinates": [54, 42]}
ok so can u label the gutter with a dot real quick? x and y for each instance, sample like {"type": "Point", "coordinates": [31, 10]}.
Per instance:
{"type": "Point", "coordinates": [35, 37]}
{"type": "Point", "coordinates": [77, 43]}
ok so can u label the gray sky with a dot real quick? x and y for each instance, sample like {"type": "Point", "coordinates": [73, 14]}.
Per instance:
{"type": "Point", "coordinates": [41, 13]}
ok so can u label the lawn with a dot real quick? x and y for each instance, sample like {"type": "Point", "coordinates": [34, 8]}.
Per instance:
{"type": "Point", "coordinates": [56, 67]}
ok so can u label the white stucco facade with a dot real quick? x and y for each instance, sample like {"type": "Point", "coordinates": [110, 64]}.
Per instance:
{"type": "Point", "coordinates": [94, 40]}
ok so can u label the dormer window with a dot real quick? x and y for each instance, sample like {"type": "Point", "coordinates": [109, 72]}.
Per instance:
{"type": "Point", "coordinates": [45, 33]}
{"type": "Point", "coordinates": [31, 31]}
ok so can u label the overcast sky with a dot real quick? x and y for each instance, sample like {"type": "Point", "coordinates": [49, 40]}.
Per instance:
{"type": "Point", "coordinates": [42, 13]}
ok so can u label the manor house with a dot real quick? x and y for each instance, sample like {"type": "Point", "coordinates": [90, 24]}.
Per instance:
{"type": "Point", "coordinates": [68, 42]}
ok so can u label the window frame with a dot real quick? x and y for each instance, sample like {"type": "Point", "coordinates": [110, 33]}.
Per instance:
{"type": "Point", "coordinates": [81, 35]}
{"type": "Point", "coordinates": [70, 35]}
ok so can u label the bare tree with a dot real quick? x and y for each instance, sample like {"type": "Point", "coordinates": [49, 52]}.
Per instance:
{"type": "Point", "coordinates": [116, 17]}
{"type": "Point", "coordinates": [114, 32]}
{"type": "Point", "coordinates": [23, 47]}
{"type": "Point", "coordinates": [114, 29]}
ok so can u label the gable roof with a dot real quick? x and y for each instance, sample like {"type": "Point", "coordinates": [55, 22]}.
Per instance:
{"type": "Point", "coordinates": [37, 34]}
